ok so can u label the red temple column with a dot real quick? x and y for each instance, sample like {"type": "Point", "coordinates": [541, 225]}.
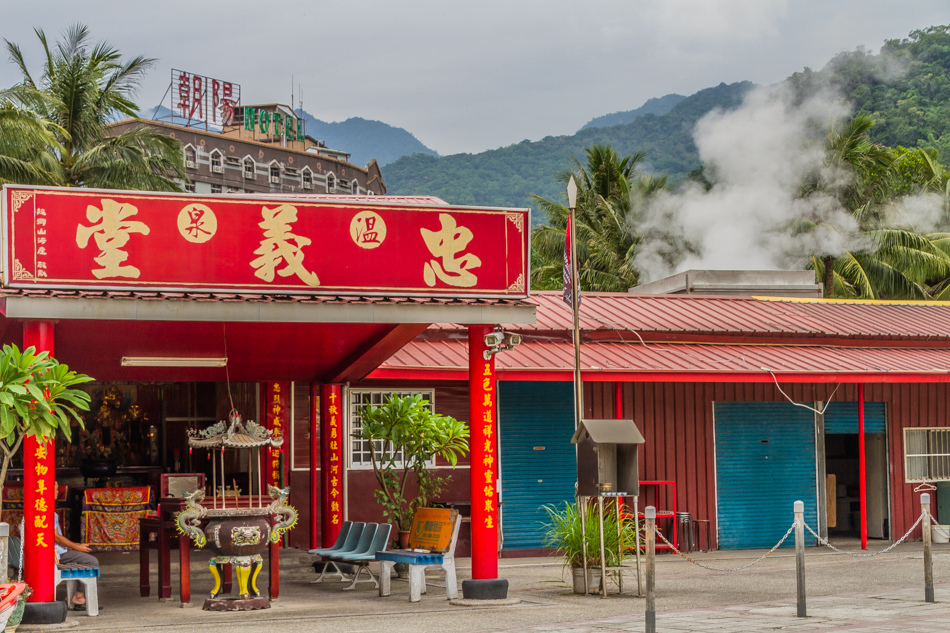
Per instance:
{"type": "Point", "coordinates": [484, 469]}
{"type": "Point", "coordinates": [331, 461]}
{"type": "Point", "coordinates": [39, 476]}
{"type": "Point", "coordinates": [314, 463]}
{"type": "Point", "coordinates": [862, 469]}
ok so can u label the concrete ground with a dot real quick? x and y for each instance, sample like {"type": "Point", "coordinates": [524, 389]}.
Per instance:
{"type": "Point", "coordinates": [879, 594]}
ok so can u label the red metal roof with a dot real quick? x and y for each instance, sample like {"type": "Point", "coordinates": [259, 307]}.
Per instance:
{"type": "Point", "coordinates": [744, 316]}
{"type": "Point", "coordinates": [444, 358]}
{"type": "Point", "coordinates": [739, 339]}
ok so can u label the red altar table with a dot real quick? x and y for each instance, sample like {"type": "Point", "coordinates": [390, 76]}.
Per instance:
{"type": "Point", "coordinates": [160, 533]}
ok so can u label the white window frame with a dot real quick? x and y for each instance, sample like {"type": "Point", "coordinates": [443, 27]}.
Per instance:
{"type": "Point", "coordinates": [358, 454]}
{"type": "Point", "coordinates": [216, 158]}
{"type": "Point", "coordinates": [927, 454]}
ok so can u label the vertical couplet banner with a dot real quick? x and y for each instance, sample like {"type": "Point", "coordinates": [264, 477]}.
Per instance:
{"type": "Point", "coordinates": [39, 482]}
{"type": "Point", "coordinates": [38, 542]}
{"type": "Point", "coordinates": [314, 463]}
{"type": "Point", "coordinates": [484, 468]}
{"type": "Point", "coordinates": [277, 416]}
{"type": "Point", "coordinates": [331, 460]}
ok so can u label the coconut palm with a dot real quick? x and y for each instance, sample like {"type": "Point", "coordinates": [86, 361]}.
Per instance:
{"type": "Point", "coordinates": [895, 262]}
{"type": "Point", "coordinates": [25, 143]}
{"type": "Point", "coordinates": [83, 87]}
{"type": "Point", "coordinates": [608, 187]}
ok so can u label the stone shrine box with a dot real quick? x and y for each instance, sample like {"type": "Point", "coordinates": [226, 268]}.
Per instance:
{"type": "Point", "coordinates": [607, 454]}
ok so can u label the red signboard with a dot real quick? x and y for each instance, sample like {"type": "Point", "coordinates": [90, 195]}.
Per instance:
{"type": "Point", "coordinates": [331, 467]}
{"type": "Point", "coordinates": [85, 238]}
{"type": "Point", "coordinates": [199, 98]}
{"type": "Point", "coordinates": [277, 416]}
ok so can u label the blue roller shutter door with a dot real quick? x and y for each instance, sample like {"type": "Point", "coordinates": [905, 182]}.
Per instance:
{"type": "Point", "coordinates": [533, 415]}
{"type": "Point", "coordinates": [842, 417]}
{"type": "Point", "coordinates": [765, 461]}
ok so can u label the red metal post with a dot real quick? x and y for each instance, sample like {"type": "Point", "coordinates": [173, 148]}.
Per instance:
{"type": "Point", "coordinates": [484, 466]}
{"type": "Point", "coordinates": [39, 476]}
{"type": "Point", "coordinates": [618, 400]}
{"type": "Point", "coordinates": [862, 469]}
{"type": "Point", "coordinates": [331, 460]}
{"type": "Point", "coordinates": [314, 462]}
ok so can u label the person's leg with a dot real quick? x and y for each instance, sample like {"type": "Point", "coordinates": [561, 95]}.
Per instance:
{"type": "Point", "coordinates": [80, 559]}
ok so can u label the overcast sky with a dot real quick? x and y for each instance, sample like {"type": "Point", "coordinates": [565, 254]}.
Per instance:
{"type": "Point", "coordinates": [471, 76]}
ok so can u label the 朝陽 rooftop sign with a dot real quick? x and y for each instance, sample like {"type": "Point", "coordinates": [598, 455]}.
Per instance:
{"type": "Point", "coordinates": [204, 99]}
{"type": "Point", "coordinates": [85, 238]}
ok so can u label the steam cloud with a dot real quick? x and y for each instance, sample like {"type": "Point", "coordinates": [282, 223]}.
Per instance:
{"type": "Point", "coordinates": [758, 156]}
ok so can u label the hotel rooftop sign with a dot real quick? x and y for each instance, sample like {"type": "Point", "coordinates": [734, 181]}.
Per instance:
{"type": "Point", "coordinates": [86, 238]}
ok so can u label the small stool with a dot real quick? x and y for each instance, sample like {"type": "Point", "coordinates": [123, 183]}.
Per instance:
{"type": "Point", "coordinates": [88, 576]}
{"type": "Point", "coordinates": [702, 523]}
{"type": "Point", "coordinates": [684, 526]}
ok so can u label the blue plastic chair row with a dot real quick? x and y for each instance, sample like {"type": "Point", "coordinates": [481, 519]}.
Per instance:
{"type": "Point", "coordinates": [357, 545]}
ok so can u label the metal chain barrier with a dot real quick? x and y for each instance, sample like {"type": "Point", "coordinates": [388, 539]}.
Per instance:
{"type": "Point", "coordinates": [752, 564]}
{"type": "Point", "coordinates": [883, 551]}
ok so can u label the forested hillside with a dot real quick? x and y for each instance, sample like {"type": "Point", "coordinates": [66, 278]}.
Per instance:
{"type": "Point", "coordinates": [905, 88]}
{"type": "Point", "coordinates": [365, 139]}
{"type": "Point", "coordinates": [508, 176]}
{"type": "Point", "coordinates": [656, 105]}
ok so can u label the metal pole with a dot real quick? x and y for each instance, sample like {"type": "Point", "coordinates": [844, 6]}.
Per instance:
{"type": "Point", "coordinates": [603, 555]}
{"type": "Point", "coordinates": [618, 502]}
{"type": "Point", "coordinates": [582, 506]}
{"type": "Point", "coordinates": [636, 528]}
{"type": "Point", "coordinates": [928, 549]}
{"type": "Point", "coordinates": [650, 514]}
{"type": "Point", "coordinates": [800, 555]}
{"type": "Point", "coordinates": [862, 469]}
{"type": "Point", "coordinates": [575, 309]}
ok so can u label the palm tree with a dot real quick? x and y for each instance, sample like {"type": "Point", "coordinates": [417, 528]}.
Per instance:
{"type": "Point", "coordinates": [896, 262]}
{"type": "Point", "coordinates": [25, 141]}
{"type": "Point", "coordinates": [84, 87]}
{"type": "Point", "coordinates": [607, 189]}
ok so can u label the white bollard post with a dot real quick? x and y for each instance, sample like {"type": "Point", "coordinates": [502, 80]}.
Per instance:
{"type": "Point", "coordinates": [799, 507]}
{"type": "Point", "coordinates": [928, 549]}
{"type": "Point", "coordinates": [650, 515]}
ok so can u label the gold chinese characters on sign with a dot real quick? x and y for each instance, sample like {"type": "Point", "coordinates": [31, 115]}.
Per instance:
{"type": "Point", "coordinates": [197, 223]}
{"type": "Point", "coordinates": [111, 229]}
{"type": "Point", "coordinates": [367, 229]}
{"type": "Point", "coordinates": [281, 246]}
{"type": "Point", "coordinates": [451, 266]}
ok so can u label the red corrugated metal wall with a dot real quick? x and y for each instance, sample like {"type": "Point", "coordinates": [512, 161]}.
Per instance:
{"type": "Point", "coordinates": [676, 420]}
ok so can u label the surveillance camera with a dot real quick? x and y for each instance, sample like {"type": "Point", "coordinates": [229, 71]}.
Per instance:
{"type": "Point", "coordinates": [512, 339]}
{"type": "Point", "coordinates": [494, 339]}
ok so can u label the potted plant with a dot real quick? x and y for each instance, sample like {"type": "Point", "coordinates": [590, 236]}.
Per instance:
{"type": "Point", "coordinates": [405, 437]}
{"type": "Point", "coordinates": [17, 616]}
{"type": "Point", "coordinates": [563, 532]}
{"type": "Point", "coordinates": [37, 397]}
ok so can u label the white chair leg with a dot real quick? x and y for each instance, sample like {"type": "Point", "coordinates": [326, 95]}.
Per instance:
{"type": "Point", "coordinates": [451, 584]}
{"type": "Point", "coordinates": [92, 596]}
{"type": "Point", "coordinates": [417, 581]}
{"type": "Point", "coordinates": [385, 577]}
{"type": "Point", "coordinates": [356, 577]}
{"type": "Point", "coordinates": [326, 566]}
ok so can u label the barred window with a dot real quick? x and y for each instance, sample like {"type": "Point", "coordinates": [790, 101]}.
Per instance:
{"type": "Point", "coordinates": [927, 454]}
{"type": "Point", "coordinates": [358, 398]}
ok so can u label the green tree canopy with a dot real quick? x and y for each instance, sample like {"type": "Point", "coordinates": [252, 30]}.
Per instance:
{"type": "Point", "coordinates": [609, 188]}
{"type": "Point", "coordinates": [82, 88]}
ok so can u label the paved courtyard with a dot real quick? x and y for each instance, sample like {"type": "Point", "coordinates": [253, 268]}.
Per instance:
{"type": "Point", "coordinates": [879, 594]}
